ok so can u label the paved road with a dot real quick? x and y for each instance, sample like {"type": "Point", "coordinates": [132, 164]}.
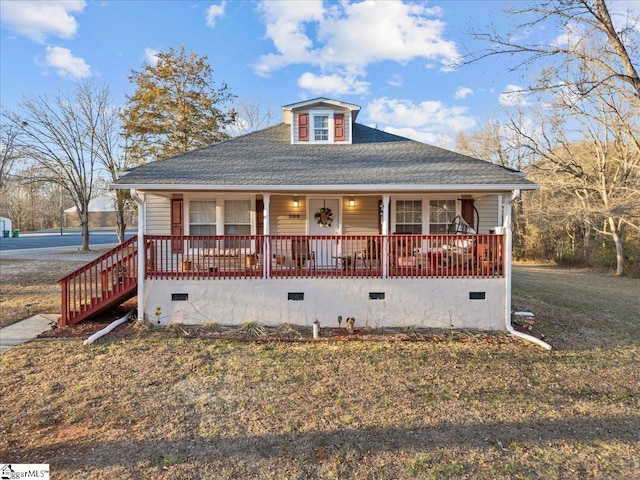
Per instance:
{"type": "Point", "coordinates": [48, 239]}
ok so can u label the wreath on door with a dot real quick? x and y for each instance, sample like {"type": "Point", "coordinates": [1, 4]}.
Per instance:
{"type": "Point", "coordinates": [324, 217]}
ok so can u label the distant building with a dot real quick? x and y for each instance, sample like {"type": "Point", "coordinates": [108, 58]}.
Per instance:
{"type": "Point", "coordinates": [5, 224]}
{"type": "Point", "coordinates": [102, 214]}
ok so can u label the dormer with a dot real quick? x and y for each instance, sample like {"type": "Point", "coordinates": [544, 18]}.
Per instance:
{"type": "Point", "coordinates": [320, 121]}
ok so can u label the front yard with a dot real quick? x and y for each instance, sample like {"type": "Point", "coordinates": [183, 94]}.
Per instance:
{"type": "Point", "coordinates": [178, 403]}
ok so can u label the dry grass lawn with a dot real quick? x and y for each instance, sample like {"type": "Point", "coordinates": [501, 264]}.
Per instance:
{"type": "Point", "coordinates": [198, 403]}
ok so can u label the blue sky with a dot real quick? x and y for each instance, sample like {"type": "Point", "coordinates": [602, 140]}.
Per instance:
{"type": "Point", "coordinates": [395, 59]}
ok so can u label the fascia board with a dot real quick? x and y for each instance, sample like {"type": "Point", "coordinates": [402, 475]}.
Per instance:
{"type": "Point", "coordinates": [334, 188]}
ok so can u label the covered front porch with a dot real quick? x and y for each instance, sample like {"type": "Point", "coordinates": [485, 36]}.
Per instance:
{"type": "Point", "coordinates": [324, 256]}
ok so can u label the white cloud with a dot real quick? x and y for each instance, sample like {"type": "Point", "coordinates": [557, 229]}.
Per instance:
{"type": "Point", "coordinates": [414, 134]}
{"type": "Point", "coordinates": [66, 64]}
{"type": "Point", "coordinates": [514, 96]}
{"type": "Point", "coordinates": [332, 84]}
{"type": "Point", "coordinates": [428, 121]}
{"type": "Point", "coordinates": [151, 56]}
{"type": "Point", "coordinates": [39, 19]}
{"type": "Point", "coordinates": [462, 92]}
{"type": "Point", "coordinates": [349, 36]}
{"type": "Point", "coordinates": [213, 12]}
{"type": "Point", "coordinates": [395, 80]}
{"type": "Point", "coordinates": [285, 23]}
{"type": "Point", "coordinates": [572, 35]}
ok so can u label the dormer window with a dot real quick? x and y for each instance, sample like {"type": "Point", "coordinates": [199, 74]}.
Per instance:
{"type": "Point", "coordinates": [321, 128]}
{"type": "Point", "coordinates": [321, 121]}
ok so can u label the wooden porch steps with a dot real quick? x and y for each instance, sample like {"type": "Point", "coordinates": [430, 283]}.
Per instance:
{"type": "Point", "coordinates": [103, 283]}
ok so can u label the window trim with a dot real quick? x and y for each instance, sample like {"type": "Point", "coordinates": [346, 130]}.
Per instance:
{"type": "Point", "coordinates": [456, 208]}
{"type": "Point", "coordinates": [187, 213]}
{"type": "Point", "coordinates": [312, 126]}
{"type": "Point", "coordinates": [408, 199]}
{"type": "Point", "coordinates": [251, 214]}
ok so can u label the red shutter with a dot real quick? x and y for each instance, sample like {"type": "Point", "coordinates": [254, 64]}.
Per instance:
{"type": "Point", "coordinates": [338, 127]}
{"type": "Point", "coordinates": [177, 225]}
{"type": "Point", "coordinates": [303, 127]}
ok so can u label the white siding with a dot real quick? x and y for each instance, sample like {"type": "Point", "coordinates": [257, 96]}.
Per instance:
{"type": "Point", "coordinates": [488, 211]}
{"type": "Point", "coordinates": [158, 215]}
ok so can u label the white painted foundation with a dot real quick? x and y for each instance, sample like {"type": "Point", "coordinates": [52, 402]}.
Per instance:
{"type": "Point", "coordinates": [432, 302]}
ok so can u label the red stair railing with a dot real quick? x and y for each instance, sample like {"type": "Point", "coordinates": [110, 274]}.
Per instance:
{"type": "Point", "coordinates": [103, 282]}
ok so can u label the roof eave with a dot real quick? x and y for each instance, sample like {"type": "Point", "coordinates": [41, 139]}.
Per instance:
{"type": "Point", "coordinates": [333, 188]}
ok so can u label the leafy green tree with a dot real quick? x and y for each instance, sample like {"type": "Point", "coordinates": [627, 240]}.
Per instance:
{"type": "Point", "coordinates": [175, 107]}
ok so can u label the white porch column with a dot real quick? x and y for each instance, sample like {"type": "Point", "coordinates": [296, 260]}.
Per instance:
{"type": "Point", "coordinates": [142, 252]}
{"type": "Point", "coordinates": [266, 244]}
{"type": "Point", "coordinates": [385, 237]}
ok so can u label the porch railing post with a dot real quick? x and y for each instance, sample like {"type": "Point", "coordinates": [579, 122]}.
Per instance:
{"type": "Point", "coordinates": [266, 247]}
{"type": "Point", "coordinates": [385, 236]}
{"type": "Point", "coordinates": [266, 256]}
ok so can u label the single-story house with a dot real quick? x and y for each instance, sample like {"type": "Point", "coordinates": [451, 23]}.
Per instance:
{"type": "Point", "coordinates": [102, 213]}
{"type": "Point", "coordinates": [319, 217]}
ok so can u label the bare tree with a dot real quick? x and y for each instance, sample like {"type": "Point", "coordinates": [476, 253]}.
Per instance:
{"type": "Point", "coordinates": [500, 143]}
{"type": "Point", "coordinates": [252, 114]}
{"type": "Point", "coordinates": [61, 134]}
{"type": "Point", "coordinates": [587, 108]}
{"type": "Point", "coordinates": [590, 150]}
{"type": "Point", "coordinates": [112, 155]}
{"type": "Point", "coordinates": [579, 21]}
{"type": "Point", "coordinates": [9, 152]}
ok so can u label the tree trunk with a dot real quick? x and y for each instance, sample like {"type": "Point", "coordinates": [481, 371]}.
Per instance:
{"type": "Point", "coordinates": [121, 221]}
{"type": "Point", "coordinates": [617, 236]}
{"type": "Point", "coordinates": [84, 225]}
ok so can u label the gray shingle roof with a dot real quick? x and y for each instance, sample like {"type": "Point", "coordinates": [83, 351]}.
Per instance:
{"type": "Point", "coordinates": [267, 158]}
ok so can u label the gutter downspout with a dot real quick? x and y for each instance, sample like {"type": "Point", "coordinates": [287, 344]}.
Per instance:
{"type": "Point", "coordinates": [507, 268]}
{"type": "Point", "coordinates": [142, 252]}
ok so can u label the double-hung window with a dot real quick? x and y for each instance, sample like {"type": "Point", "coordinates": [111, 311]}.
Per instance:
{"type": "Point", "coordinates": [442, 213]}
{"type": "Point", "coordinates": [409, 216]}
{"type": "Point", "coordinates": [321, 128]}
{"type": "Point", "coordinates": [237, 221]}
{"type": "Point", "coordinates": [202, 217]}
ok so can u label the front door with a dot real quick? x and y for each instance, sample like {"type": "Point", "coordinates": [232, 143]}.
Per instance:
{"type": "Point", "coordinates": [324, 219]}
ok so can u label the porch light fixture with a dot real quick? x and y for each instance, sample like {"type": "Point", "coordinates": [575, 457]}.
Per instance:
{"type": "Point", "coordinates": [296, 204]}
{"type": "Point", "coordinates": [352, 202]}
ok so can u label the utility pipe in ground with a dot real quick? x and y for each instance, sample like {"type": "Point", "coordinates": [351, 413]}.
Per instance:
{"type": "Point", "coordinates": [108, 328]}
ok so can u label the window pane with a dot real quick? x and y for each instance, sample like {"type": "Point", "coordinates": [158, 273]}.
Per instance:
{"type": "Point", "coordinates": [237, 212]}
{"type": "Point", "coordinates": [203, 229]}
{"type": "Point", "coordinates": [321, 127]}
{"type": "Point", "coordinates": [321, 121]}
{"type": "Point", "coordinates": [202, 217]}
{"type": "Point", "coordinates": [409, 216]}
{"type": "Point", "coordinates": [442, 213]}
{"type": "Point", "coordinates": [237, 229]}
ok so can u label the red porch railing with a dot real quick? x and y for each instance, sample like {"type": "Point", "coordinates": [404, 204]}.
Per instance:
{"type": "Point", "coordinates": [219, 256]}
{"type": "Point", "coordinates": [458, 255]}
{"type": "Point", "coordinates": [100, 284]}
{"type": "Point", "coordinates": [324, 256]}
